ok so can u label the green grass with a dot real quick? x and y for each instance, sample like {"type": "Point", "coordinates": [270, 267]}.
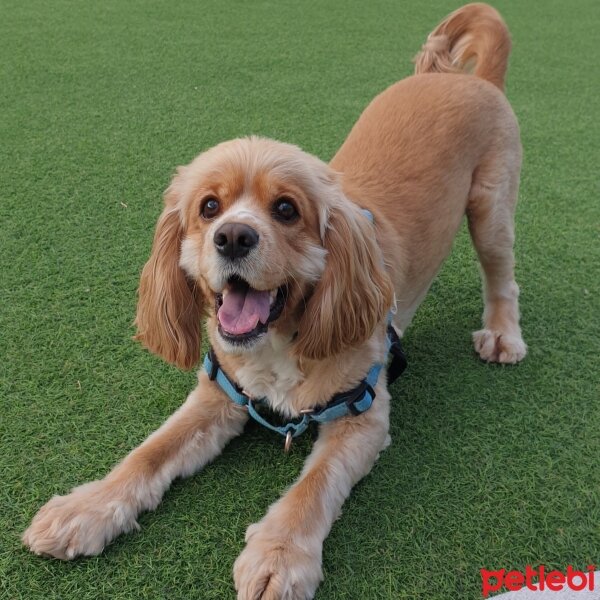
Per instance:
{"type": "Point", "coordinates": [489, 467]}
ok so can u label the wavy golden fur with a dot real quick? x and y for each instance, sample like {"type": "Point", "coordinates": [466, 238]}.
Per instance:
{"type": "Point", "coordinates": [475, 34]}
{"type": "Point", "coordinates": [169, 306]}
{"type": "Point", "coordinates": [254, 227]}
{"type": "Point", "coordinates": [354, 293]}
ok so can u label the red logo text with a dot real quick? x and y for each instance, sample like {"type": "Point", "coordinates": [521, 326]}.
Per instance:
{"type": "Point", "coordinates": [537, 580]}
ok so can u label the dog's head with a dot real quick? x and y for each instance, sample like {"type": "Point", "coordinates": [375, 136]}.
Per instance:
{"type": "Point", "coordinates": [258, 236]}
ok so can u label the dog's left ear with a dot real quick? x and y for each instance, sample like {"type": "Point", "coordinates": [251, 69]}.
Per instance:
{"type": "Point", "coordinates": [169, 307]}
{"type": "Point", "coordinates": [354, 293]}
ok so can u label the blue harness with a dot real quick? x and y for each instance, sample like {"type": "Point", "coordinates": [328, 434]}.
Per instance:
{"type": "Point", "coordinates": [353, 402]}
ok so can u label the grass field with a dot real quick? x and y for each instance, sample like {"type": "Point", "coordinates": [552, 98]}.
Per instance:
{"type": "Point", "coordinates": [489, 467]}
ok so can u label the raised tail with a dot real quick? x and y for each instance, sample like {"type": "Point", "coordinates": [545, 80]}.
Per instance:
{"type": "Point", "coordinates": [473, 39]}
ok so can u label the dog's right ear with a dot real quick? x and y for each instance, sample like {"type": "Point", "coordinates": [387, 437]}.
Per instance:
{"type": "Point", "coordinates": [169, 309]}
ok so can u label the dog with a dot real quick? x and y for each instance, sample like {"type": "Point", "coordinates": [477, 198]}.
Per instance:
{"type": "Point", "coordinates": [297, 267]}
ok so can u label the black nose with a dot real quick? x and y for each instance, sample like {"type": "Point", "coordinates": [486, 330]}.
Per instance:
{"type": "Point", "coordinates": [235, 240]}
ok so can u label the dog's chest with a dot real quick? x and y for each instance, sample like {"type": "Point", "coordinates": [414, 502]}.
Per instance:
{"type": "Point", "coordinates": [271, 373]}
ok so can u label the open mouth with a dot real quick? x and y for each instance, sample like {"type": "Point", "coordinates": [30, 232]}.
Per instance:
{"type": "Point", "coordinates": [244, 313]}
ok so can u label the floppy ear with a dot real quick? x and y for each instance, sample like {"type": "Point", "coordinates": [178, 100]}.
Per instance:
{"type": "Point", "coordinates": [354, 293]}
{"type": "Point", "coordinates": [169, 307]}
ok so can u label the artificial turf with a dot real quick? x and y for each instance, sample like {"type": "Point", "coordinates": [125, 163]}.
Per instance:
{"type": "Point", "coordinates": [490, 466]}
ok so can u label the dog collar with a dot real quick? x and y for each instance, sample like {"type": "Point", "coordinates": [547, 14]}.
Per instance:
{"type": "Point", "coordinates": [353, 402]}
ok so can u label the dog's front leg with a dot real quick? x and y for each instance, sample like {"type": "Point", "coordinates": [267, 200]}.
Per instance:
{"type": "Point", "coordinates": [282, 558]}
{"type": "Point", "coordinates": [92, 515]}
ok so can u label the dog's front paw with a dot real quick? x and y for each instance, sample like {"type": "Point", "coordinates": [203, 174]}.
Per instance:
{"type": "Point", "coordinates": [276, 566]}
{"type": "Point", "coordinates": [495, 346]}
{"type": "Point", "coordinates": [79, 524]}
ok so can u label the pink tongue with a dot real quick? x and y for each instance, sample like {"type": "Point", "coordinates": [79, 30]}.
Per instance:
{"type": "Point", "coordinates": [243, 309]}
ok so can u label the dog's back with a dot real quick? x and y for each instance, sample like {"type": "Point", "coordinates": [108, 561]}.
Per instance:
{"type": "Point", "coordinates": [441, 118]}
{"type": "Point", "coordinates": [434, 147]}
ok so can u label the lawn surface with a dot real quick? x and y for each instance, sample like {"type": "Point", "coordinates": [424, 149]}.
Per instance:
{"type": "Point", "coordinates": [489, 466]}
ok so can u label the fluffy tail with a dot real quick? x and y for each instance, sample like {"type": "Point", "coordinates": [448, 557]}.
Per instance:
{"type": "Point", "coordinates": [474, 39]}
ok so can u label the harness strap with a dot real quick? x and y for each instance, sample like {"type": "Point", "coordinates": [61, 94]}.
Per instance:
{"type": "Point", "coordinates": [353, 402]}
{"type": "Point", "coordinates": [215, 373]}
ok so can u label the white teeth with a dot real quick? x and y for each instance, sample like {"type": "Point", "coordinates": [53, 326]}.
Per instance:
{"type": "Point", "coordinates": [225, 292]}
{"type": "Point", "coordinates": [273, 294]}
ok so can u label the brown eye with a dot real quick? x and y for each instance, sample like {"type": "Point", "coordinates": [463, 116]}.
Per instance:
{"type": "Point", "coordinates": [210, 208]}
{"type": "Point", "coordinates": [284, 210]}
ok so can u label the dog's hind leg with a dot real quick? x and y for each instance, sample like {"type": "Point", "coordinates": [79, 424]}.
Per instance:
{"type": "Point", "coordinates": [490, 214]}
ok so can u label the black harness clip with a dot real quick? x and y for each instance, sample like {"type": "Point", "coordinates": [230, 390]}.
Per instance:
{"type": "Point", "coordinates": [214, 364]}
{"type": "Point", "coordinates": [398, 363]}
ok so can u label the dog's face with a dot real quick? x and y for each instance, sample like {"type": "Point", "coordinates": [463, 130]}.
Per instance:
{"type": "Point", "coordinates": [252, 237]}
{"type": "Point", "coordinates": [258, 235]}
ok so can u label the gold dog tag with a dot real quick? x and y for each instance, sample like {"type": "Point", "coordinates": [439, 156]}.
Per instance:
{"type": "Point", "coordinates": [288, 442]}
